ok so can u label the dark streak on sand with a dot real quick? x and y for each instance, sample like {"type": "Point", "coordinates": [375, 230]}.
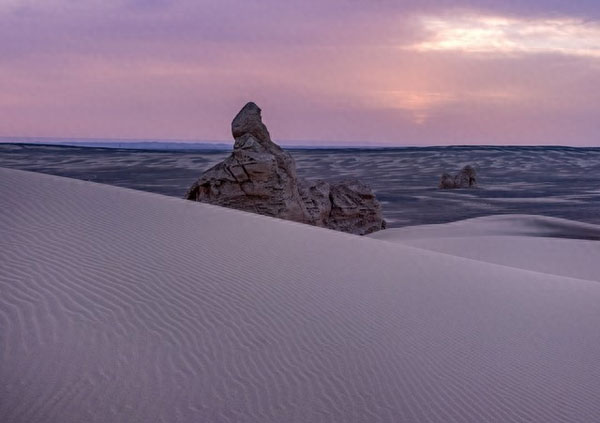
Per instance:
{"type": "Point", "coordinates": [552, 181]}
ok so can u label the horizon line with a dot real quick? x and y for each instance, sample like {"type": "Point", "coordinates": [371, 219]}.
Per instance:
{"type": "Point", "coordinates": [113, 142]}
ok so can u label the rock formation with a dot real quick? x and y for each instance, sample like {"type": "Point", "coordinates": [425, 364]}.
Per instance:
{"type": "Point", "coordinates": [466, 178]}
{"type": "Point", "coordinates": [347, 206]}
{"type": "Point", "coordinates": [260, 177]}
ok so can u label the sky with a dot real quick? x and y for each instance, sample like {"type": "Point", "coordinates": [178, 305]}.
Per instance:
{"type": "Point", "coordinates": [324, 72]}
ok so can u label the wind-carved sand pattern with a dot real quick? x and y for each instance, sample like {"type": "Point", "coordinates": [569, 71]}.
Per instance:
{"type": "Point", "coordinates": [124, 306]}
{"type": "Point", "coordinates": [551, 181]}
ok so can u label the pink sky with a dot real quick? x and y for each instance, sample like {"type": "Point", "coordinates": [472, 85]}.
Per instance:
{"type": "Point", "coordinates": [337, 72]}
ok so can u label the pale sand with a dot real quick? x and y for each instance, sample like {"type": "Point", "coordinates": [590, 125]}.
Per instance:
{"type": "Point", "coordinates": [124, 306]}
{"type": "Point", "coordinates": [538, 243]}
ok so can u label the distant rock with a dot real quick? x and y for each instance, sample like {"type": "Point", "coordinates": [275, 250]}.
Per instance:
{"type": "Point", "coordinates": [260, 177]}
{"type": "Point", "coordinates": [466, 178]}
{"type": "Point", "coordinates": [447, 181]}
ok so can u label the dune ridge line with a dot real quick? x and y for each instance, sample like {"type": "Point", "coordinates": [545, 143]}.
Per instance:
{"type": "Point", "coordinates": [119, 305]}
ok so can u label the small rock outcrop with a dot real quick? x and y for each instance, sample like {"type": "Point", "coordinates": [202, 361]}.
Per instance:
{"type": "Point", "coordinates": [347, 206]}
{"type": "Point", "coordinates": [466, 178]}
{"type": "Point", "coordinates": [260, 177]}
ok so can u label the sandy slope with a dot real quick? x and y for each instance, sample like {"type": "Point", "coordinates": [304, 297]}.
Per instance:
{"type": "Point", "coordinates": [123, 306]}
{"type": "Point", "coordinates": [538, 243]}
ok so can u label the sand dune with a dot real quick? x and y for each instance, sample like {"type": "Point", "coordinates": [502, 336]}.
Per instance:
{"type": "Point", "coordinates": [504, 225]}
{"type": "Point", "coordinates": [124, 306]}
{"type": "Point", "coordinates": [538, 243]}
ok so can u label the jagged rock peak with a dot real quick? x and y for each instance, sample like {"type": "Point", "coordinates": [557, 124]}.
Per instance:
{"type": "Point", "coordinates": [260, 177]}
{"type": "Point", "coordinates": [249, 121]}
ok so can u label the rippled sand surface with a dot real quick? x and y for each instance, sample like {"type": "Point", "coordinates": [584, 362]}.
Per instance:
{"type": "Point", "coordinates": [126, 306]}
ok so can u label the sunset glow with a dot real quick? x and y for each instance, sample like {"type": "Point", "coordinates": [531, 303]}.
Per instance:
{"type": "Point", "coordinates": [324, 72]}
{"type": "Point", "coordinates": [483, 34]}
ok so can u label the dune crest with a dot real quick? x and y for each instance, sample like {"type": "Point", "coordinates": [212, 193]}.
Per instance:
{"type": "Point", "coordinates": [125, 306]}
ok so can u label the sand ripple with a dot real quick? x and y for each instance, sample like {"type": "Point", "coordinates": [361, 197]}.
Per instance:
{"type": "Point", "coordinates": [123, 306]}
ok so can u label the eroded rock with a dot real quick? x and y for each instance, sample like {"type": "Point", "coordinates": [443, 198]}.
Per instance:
{"type": "Point", "coordinates": [466, 178]}
{"type": "Point", "coordinates": [260, 177]}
